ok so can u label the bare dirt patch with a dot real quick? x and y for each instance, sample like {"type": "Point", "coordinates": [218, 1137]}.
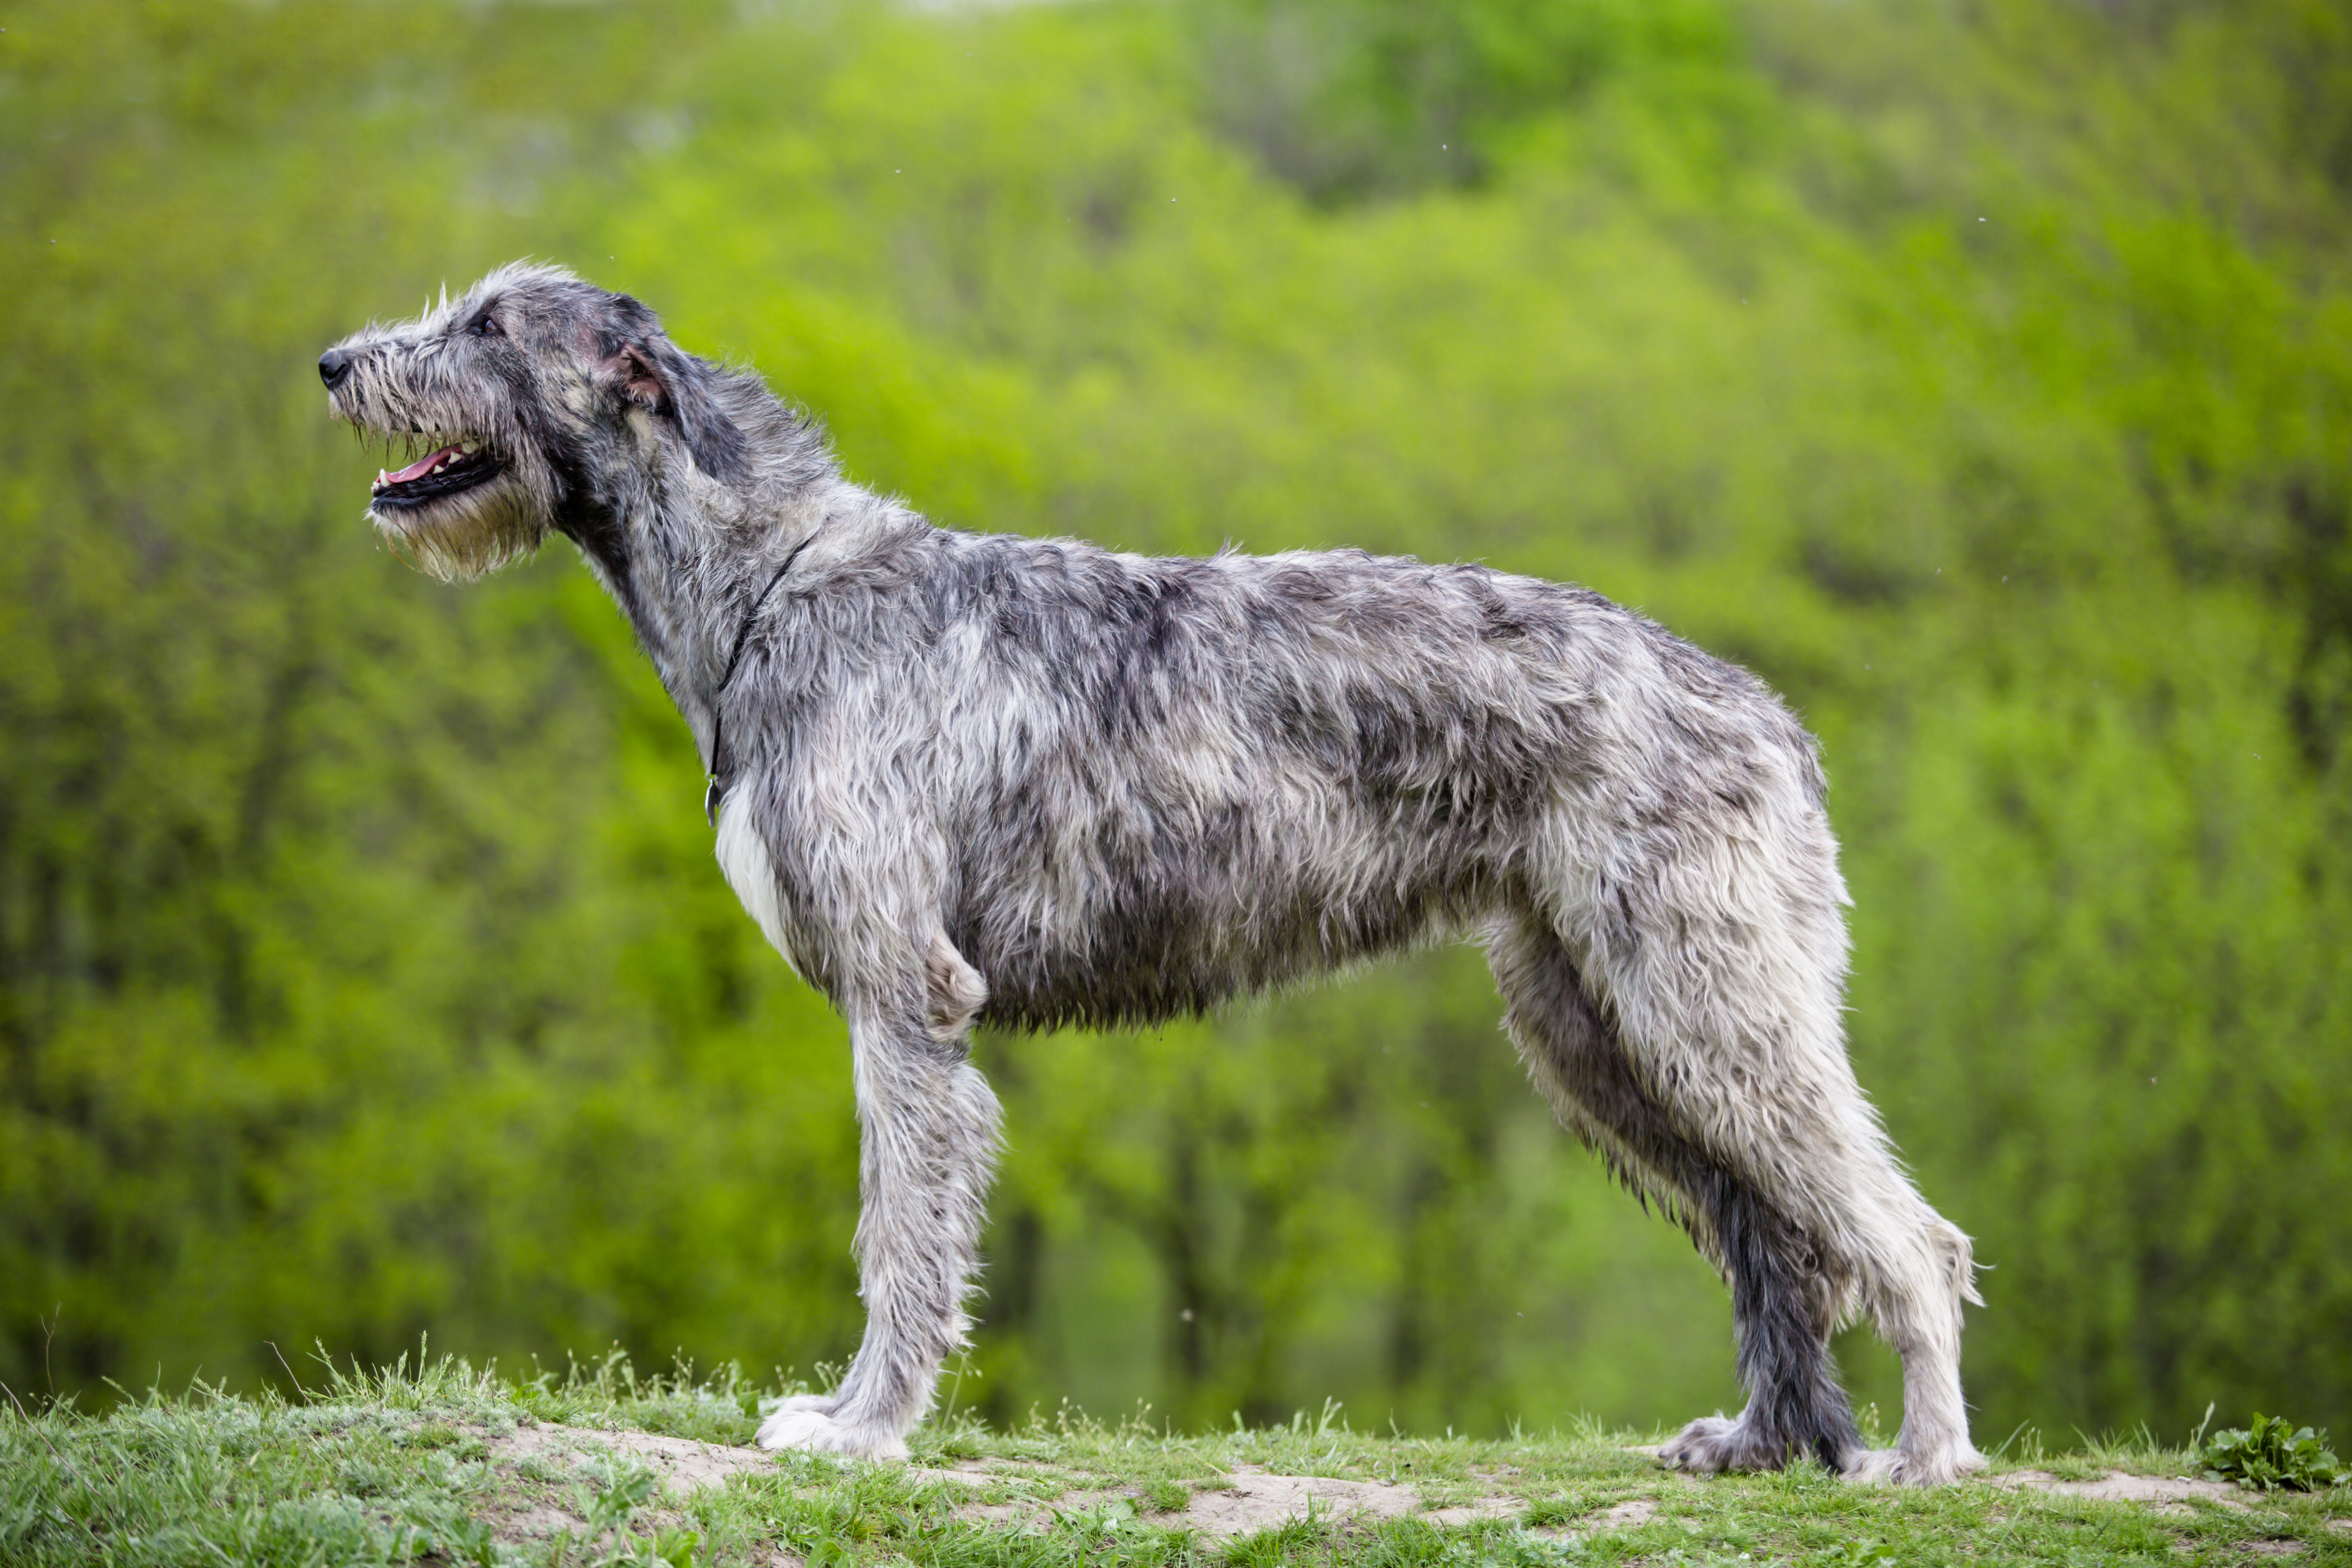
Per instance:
{"type": "Point", "coordinates": [1623, 1515]}
{"type": "Point", "coordinates": [2166, 1494]}
{"type": "Point", "coordinates": [1254, 1500]}
{"type": "Point", "coordinates": [1257, 1500]}
{"type": "Point", "coordinates": [533, 1523]}
{"type": "Point", "coordinates": [684, 1464]}
{"type": "Point", "coordinates": [969, 1472]}
{"type": "Point", "coordinates": [1039, 1510]}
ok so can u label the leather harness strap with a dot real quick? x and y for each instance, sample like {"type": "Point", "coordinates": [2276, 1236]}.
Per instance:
{"type": "Point", "coordinates": [719, 770]}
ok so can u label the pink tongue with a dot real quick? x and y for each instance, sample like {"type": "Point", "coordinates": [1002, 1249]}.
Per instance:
{"type": "Point", "coordinates": [419, 469]}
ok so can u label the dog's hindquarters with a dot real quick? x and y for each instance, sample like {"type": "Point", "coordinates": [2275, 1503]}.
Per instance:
{"type": "Point", "coordinates": [1688, 1029]}
{"type": "Point", "coordinates": [1783, 1308]}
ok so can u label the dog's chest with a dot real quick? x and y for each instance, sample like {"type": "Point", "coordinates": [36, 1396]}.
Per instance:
{"type": "Point", "coordinates": [743, 860]}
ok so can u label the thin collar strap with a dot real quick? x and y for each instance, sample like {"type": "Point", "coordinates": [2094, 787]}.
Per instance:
{"type": "Point", "coordinates": [722, 766]}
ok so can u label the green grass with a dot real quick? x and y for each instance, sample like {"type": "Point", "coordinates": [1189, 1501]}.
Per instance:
{"type": "Point", "coordinates": [401, 1467]}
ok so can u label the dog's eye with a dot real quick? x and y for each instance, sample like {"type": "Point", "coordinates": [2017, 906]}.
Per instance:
{"type": "Point", "coordinates": [485, 326]}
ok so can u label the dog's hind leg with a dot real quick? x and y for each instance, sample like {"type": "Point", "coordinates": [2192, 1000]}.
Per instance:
{"type": "Point", "coordinates": [1733, 1104]}
{"type": "Point", "coordinates": [929, 1125]}
{"type": "Point", "coordinates": [1722, 985]}
{"type": "Point", "coordinates": [1783, 1306]}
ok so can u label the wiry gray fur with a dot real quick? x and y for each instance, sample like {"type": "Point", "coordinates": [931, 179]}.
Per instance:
{"type": "Point", "coordinates": [1032, 781]}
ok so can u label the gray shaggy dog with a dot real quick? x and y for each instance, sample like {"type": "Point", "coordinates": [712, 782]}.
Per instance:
{"type": "Point", "coordinates": [960, 777]}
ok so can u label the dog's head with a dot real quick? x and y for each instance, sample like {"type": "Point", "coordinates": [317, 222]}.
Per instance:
{"type": "Point", "coordinates": [527, 404]}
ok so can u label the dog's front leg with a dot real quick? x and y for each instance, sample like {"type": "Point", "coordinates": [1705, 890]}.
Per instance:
{"type": "Point", "coordinates": [928, 1129]}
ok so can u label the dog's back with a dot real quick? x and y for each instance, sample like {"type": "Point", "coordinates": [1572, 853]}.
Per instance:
{"type": "Point", "coordinates": [1165, 780]}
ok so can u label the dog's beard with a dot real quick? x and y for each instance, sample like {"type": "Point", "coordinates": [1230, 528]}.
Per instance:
{"type": "Point", "coordinates": [465, 536]}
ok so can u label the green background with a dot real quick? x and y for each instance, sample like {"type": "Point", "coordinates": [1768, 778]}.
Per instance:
{"type": "Point", "coordinates": [1979, 373]}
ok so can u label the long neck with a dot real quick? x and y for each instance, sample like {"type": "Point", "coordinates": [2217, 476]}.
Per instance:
{"type": "Point", "coordinates": [688, 561]}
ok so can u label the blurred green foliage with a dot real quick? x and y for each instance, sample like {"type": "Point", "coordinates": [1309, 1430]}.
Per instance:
{"type": "Point", "coordinates": [1980, 373]}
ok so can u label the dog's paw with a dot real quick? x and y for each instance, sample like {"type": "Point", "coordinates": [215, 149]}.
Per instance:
{"type": "Point", "coordinates": [1707, 1447]}
{"type": "Point", "coordinates": [1901, 1467]}
{"type": "Point", "coordinates": [1877, 1466]}
{"type": "Point", "coordinates": [812, 1430]}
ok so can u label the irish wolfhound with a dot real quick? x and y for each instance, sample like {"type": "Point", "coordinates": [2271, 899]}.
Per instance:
{"type": "Point", "coordinates": [1032, 782]}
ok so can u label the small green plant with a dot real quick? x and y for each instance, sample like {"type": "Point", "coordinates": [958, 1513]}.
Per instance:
{"type": "Point", "coordinates": [2268, 1456]}
{"type": "Point", "coordinates": [1869, 1550]}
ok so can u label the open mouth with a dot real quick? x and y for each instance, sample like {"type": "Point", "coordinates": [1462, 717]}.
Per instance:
{"type": "Point", "coordinates": [453, 468]}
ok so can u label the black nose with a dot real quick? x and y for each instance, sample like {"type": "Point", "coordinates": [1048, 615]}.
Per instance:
{"type": "Point", "coordinates": [335, 367]}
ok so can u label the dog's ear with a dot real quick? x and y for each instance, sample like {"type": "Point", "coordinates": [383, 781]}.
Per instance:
{"type": "Point", "coordinates": [658, 376]}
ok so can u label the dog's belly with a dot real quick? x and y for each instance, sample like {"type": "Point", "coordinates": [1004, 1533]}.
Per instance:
{"type": "Point", "coordinates": [1140, 951]}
